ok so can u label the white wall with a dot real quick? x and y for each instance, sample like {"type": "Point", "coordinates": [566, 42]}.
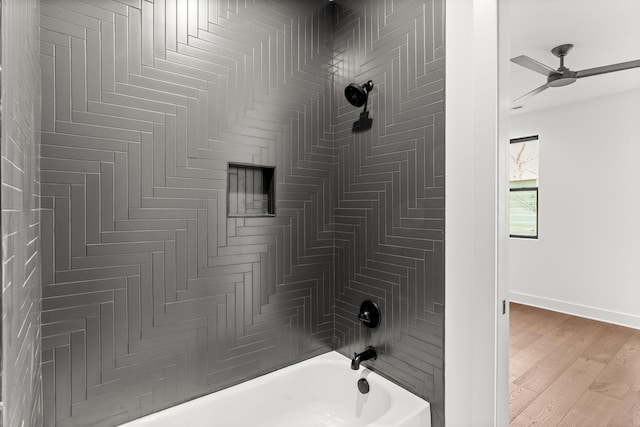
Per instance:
{"type": "Point", "coordinates": [476, 368]}
{"type": "Point", "coordinates": [587, 258]}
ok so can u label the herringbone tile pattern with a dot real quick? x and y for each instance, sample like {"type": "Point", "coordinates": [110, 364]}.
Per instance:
{"type": "Point", "coordinates": [389, 217]}
{"type": "Point", "coordinates": [21, 369]}
{"type": "Point", "coordinates": [151, 294]}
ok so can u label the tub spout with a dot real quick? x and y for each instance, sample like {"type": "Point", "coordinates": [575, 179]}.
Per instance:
{"type": "Point", "coordinates": [368, 354]}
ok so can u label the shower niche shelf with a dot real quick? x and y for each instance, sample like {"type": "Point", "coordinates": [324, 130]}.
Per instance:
{"type": "Point", "coordinates": [250, 191]}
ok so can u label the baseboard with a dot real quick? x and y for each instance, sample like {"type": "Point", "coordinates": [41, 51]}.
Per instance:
{"type": "Point", "coordinates": [623, 319]}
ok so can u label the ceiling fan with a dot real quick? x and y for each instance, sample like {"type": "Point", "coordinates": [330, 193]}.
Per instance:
{"type": "Point", "coordinates": [563, 76]}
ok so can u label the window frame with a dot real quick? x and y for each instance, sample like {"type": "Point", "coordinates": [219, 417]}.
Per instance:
{"type": "Point", "coordinates": [536, 188]}
{"type": "Point", "coordinates": [522, 236]}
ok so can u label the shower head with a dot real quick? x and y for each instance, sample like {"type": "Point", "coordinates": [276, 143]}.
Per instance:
{"type": "Point", "coordinates": [357, 95]}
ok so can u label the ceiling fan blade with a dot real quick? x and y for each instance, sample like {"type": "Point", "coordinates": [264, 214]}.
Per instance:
{"type": "Point", "coordinates": [518, 102]}
{"type": "Point", "coordinates": [608, 68]}
{"type": "Point", "coordinates": [534, 65]}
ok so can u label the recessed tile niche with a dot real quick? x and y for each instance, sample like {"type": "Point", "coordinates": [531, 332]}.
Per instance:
{"type": "Point", "coordinates": [250, 191]}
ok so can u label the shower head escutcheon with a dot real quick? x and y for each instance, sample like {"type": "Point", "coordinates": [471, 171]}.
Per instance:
{"type": "Point", "coordinates": [357, 95]}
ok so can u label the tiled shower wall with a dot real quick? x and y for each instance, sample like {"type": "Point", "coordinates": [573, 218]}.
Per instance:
{"type": "Point", "coordinates": [155, 296]}
{"type": "Point", "coordinates": [151, 294]}
{"type": "Point", "coordinates": [389, 217]}
{"type": "Point", "coordinates": [21, 381]}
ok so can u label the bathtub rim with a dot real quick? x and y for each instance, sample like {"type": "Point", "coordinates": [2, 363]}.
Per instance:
{"type": "Point", "coordinates": [329, 357]}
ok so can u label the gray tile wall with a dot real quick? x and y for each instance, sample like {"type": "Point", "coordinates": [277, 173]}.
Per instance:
{"type": "Point", "coordinates": [21, 379]}
{"type": "Point", "coordinates": [151, 295]}
{"type": "Point", "coordinates": [389, 216]}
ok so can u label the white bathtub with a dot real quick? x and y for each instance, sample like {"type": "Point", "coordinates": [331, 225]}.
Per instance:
{"type": "Point", "coordinates": [318, 392]}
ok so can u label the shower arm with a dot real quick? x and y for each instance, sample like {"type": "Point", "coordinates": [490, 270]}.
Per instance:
{"type": "Point", "coordinates": [368, 87]}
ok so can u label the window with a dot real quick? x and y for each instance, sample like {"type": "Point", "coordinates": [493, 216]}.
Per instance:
{"type": "Point", "coordinates": [523, 187]}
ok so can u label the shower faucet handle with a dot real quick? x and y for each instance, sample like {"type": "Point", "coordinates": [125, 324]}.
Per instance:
{"type": "Point", "coordinates": [364, 317]}
{"type": "Point", "coordinates": [369, 314]}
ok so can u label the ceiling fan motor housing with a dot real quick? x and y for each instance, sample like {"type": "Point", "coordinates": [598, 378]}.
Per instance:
{"type": "Point", "coordinates": [562, 79]}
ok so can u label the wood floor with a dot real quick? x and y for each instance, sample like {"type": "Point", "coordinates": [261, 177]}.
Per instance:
{"type": "Point", "coordinates": [570, 371]}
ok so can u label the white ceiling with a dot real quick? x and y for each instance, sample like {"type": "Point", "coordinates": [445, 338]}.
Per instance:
{"type": "Point", "coordinates": [603, 32]}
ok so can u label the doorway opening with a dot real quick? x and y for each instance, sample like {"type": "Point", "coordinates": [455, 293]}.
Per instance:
{"type": "Point", "coordinates": [574, 302]}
